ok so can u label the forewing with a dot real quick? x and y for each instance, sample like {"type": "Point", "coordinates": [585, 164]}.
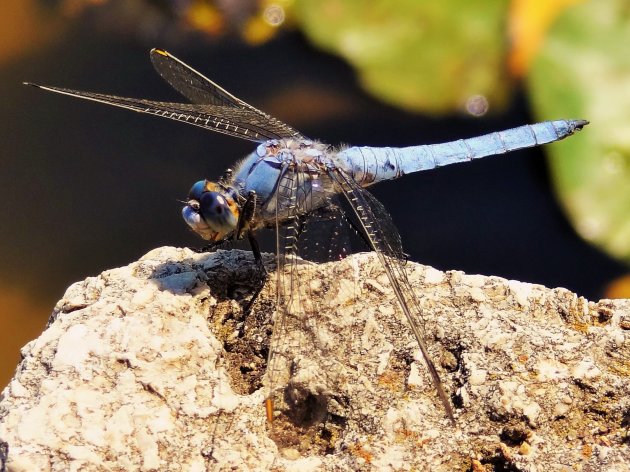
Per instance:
{"type": "Point", "coordinates": [199, 89]}
{"type": "Point", "coordinates": [242, 123]}
{"type": "Point", "coordinates": [192, 84]}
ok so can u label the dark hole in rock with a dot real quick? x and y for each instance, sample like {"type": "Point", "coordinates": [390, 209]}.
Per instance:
{"type": "Point", "coordinates": [496, 461]}
{"type": "Point", "coordinates": [304, 408]}
{"type": "Point", "coordinates": [514, 435]}
{"type": "Point", "coordinates": [305, 425]}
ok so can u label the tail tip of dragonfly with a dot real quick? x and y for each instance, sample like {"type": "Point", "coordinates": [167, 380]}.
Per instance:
{"type": "Point", "coordinates": [579, 124]}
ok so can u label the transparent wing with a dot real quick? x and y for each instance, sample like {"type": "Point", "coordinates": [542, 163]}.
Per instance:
{"type": "Point", "coordinates": [297, 305]}
{"type": "Point", "coordinates": [238, 122]}
{"type": "Point", "coordinates": [288, 228]}
{"type": "Point", "coordinates": [380, 233]}
{"type": "Point", "coordinates": [192, 84]}
{"type": "Point", "coordinates": [296, 310]}
{"type": "Point", "coordinates": [199, 89]}
{"type": "Point", "coordinates": [213, 107]}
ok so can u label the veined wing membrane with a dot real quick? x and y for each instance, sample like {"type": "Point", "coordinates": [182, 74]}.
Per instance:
{"type": "Point", "coordinates": [199, 89]}
{"type": "Point", "coordinates": [238, 122]}
{"type": "Point", "coordinates": [382, 236]}
{"type": "Point", "coordinates": [193, 85]}
{"type": "Point", "coordinates": [297, 306]}
{"type": "Point", "coordinates": [287, 300]}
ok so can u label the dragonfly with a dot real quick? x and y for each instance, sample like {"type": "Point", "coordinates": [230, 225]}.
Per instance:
{"type": "Point", "coordinates": [290, 182]}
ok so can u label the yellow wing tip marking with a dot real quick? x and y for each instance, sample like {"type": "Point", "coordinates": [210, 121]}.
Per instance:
{"type": "Point", "coordinates": [161, 52]}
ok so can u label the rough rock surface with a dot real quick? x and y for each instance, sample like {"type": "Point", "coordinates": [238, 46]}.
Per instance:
{"type": "Point", "coordinates": [155, 366]}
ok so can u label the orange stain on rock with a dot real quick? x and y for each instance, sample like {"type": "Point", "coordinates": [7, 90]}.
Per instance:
{"type": "Point", "coordinates": [358, 450]}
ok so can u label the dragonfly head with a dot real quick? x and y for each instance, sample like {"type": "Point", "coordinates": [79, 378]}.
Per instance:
{"type": "Point", "coordinates": [210, 211]}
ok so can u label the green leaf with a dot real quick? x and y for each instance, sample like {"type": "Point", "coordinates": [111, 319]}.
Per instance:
{"type": "Point", "coordinates": [583, 71]}
{"type": "Point", "coordinates": [419, 55]}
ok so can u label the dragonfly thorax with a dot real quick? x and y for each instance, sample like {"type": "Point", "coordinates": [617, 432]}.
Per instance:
{"type": "Point", "coordinates": [211, 210]}
{"type": "Point", "coordinates": [261, 170]}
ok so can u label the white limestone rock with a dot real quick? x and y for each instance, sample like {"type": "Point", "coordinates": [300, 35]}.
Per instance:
{"type": "Point", "coordinates": [155, 367]}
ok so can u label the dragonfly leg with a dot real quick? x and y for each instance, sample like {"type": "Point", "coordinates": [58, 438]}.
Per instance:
{"type": "Point", "coordinates": [245, 219]}
{"type": "Point", "coordinates": [208, 247]}
{"type": "Point", "coordinates": [246, 216]}
{"type": "Point", "coordinates": [253, 242]}
{"type": "Point", "coordinates": [261, 266]}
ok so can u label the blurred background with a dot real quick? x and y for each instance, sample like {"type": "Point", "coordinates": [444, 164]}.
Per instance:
{"type": "Point", "coordinates": [87, 187]}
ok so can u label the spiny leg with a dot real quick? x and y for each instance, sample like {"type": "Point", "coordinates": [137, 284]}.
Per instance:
{"type": "Point", "coordinates": [245, 220]}
{"type": "Point", "coordinates": [208, 247]}
{"type": "Point", "coordinates": [246, 215]}
{"type": "Point", "coordinates": [261, 266]}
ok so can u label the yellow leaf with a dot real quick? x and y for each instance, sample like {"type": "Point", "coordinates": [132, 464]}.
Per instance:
{"type": "Point", "coordinates": [205, 17]}
{"type": "Point", "coordinates": [528, 23]}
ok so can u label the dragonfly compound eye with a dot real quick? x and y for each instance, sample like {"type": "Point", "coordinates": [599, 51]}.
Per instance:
{"type": "Point", "coordinates": [197, 190]}
{"type": "Point", "coordinates": [218, 211]}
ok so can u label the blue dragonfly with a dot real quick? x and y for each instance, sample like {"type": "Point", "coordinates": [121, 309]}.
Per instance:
{"type": "Point", "coordinates": [290, 182]}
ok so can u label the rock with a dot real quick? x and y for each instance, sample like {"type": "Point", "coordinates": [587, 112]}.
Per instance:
{"type": "Point", "coordinates": [155, 366]}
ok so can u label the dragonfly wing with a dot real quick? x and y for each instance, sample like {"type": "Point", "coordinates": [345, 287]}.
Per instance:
{"type": "Point", "coordinates": [379, 232]}
{"type": "Point", "coordinates": [288, 230]}
{"type": "Point", "coordinates": [238, 122]}
{"type": "Point", "coordinates": [299, 301]}
{"type": "Point", "coordinates": [199, 89]}
{"type": "Point", "coordinates": [192, 84]}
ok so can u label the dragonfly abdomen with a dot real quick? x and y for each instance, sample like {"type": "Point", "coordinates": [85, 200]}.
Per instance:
{"type": "Point", "coordinates": [369, 165]}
